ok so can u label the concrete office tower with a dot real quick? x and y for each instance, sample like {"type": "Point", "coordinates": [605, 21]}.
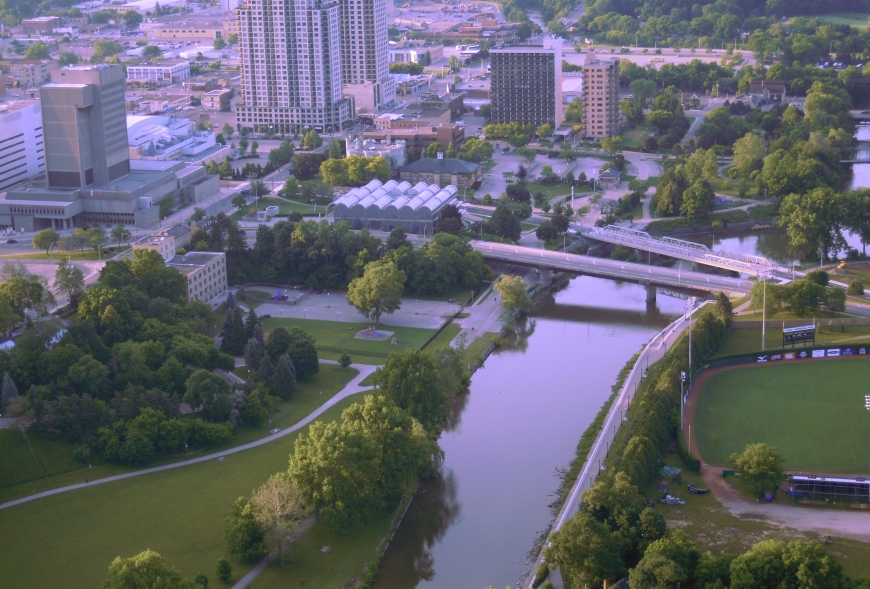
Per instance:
{"type": "Point", "coordinates": [526, 84]}
{"type": "Point", "coordinates": [365, 54]}
{"type": "Point", "coordinates": [85, 124]}
{"type": "Point", "coordinates": [601, 116]}
{"type": "Point", "coordinates": [22, 152]}
{"type": "Point", "coordinates": [291, 65]}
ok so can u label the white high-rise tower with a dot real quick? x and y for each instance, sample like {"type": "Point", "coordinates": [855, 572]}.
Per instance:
{"type": "Point", "coordinates": [291, 65]}
{"type": "Point", "coordinates": [365, 54]}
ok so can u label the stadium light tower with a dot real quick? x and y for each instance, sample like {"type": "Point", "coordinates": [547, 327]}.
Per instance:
{"type": "Point", "coordinates": [690, 307]}
{"type": "Point", "coordinates": [764, 276]}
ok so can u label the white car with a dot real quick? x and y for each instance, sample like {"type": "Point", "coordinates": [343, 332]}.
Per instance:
{"type": "Point", "coordinates": [275, 431]}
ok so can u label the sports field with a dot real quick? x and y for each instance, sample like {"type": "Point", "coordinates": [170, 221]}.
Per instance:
{"type": "Point", "coordinates": [811, 411]}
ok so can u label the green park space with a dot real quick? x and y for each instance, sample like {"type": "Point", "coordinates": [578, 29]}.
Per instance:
{"type": "Point", "coordinates": [671, 223]}
{"type": "Point", "coordinates": [179, 513]}
{"type": "Point", "coordinates": [60, 255]}
{"type": "Point", "coordinates": [811, 411]}
{"type": "Point", "coordinates": [853, 19]}
{"type": "Point", "coordinates": [633, 136]}
{"type": "Point", "coordinates": [334, 338]}
{"type": "Point", "coordinates": [444, 337]}
{"type": "Point", "coordinates": [285, 207]}
{"type": "Point", "coordinates": [51, 463]}
{"type": "Point", "coordinates": [748, 340]}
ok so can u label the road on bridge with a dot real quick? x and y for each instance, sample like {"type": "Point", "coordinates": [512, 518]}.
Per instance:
{"type": "Point", "coordinates": [612, 268]}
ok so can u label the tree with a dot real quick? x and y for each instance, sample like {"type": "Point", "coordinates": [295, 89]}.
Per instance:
{"type": "Point", "coordinates": [146, 569]}
{"type": "Point", "coordinates": [219, 44]}
{"type": "Point", "coordinates": [8, 392]}
{"type": "Point", "coordinates": [224, 570]}
{"type": "Point", "coordinates": [158, 279]}
{"type": "Point", "coordinates": [254, 354]}
{"type": "Point", "coordinates": [254, 146]}
{"type": "Point", "coordinates": [574, 112]}
{"type": "Point", "coordinates": [546, 231]}
{"type": "Point", "coordinates": [504, 223]}
{"type": "Point", "coordinates": [749, 153]}
{"type": "Point", "coordinates": [813, 221]}
{"type": "Point", "coordinates": [336, 470]}
{"type": "Point", "coordinates": [279, 508]}
{"type": "Point", "coordinates": [38, 50]}
{"type": "Point", "coordinates": [544, 131]}
{"type": "Point", "coordinates": [344, 361]}
{"type": "Point", "coordinates": [410, 380]}
{"type": "Point", "coordinates": [46, 239]}
{"type": "Point", "coordinates": [662, 120]}
{"type": "Point", "coordinates": [759, 465]}
{"type": "Point", "coordinates": [378, 290]}
{"type": "Point", "coordinates": [152, 51]}
{"type": "Point", "coordinates": [698, 200]}
{"type": "Point", "coordinates": [201, 580]}
{"type": "Point", "coordinates": [242, 533]}
{"type": "Point", "coordinates": [120, 233]}
{"type": "Point", "coordinates": [641, 91]}
{"type": "Point", "coordinates": [68, 58]}
{"type": "Point", "coordinates": [284, 379]}
{"type": "Point", "coordinates": [856, 217]}
{"type": "Point", "coordinates": [69, 280]}
{"type": "Point", "coordinates": [234, 340]}
{"type": "Point", "coordinates": [204, 388]}
{"type": "Point", "coordinates": [514, 296]}
{"type": "Point", "coordinates": [611, 144]}
{"type": "Point", "coordinates": [132, 19]}
{"type": "Point", "coordinates": [96, 238]}
{"type": "Point", "coordinates": [227, 131]}
{"type": "Point", "coordinates": [529, 154]}
{"type": "Point", "coordinates": [655, 570]}
{"type": "Point", "coordinates": [585, 549]}
{"type": "Point", "coordinates": [312, 140]}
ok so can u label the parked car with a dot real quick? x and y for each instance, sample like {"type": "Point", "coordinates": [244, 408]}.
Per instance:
{"type": "Point", "coordinates": [11, 241]}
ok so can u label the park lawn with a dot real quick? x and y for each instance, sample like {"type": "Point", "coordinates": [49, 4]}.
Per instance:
{"type": "Point", "coordinates": [748, 341]}
{"type": "Point", "coordinates": [462, 294]}
{"type": "Point", "coordinates": [444, 337]}
{"type": "Point", "coordinates": [309, 567]}
{"type": "Point", "coordinates": [60, 468]}
{"type": "Point", "coordinates": [732, 188]}
{"type": "Point", "coordinates": [853, 19]}
{"type": "Point", "coordinates": [56, 255]}
{"type": "Point", "coordinates": [632, 137]}
{"type": "Point", "coordinates": [178, 513]}
{"type": "Point", "coordinates": [337, 337]}
{"type": "Point", "coordinates": [810, 411]}
{"type": "Point", "coordinates": [475, 349]}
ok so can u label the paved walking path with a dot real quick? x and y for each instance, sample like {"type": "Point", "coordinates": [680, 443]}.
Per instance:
{"type": "Point", "coordinates": [352, 388]}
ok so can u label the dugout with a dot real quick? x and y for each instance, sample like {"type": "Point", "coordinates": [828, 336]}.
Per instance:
{"type": "Point", "coordinates": [819, 487]}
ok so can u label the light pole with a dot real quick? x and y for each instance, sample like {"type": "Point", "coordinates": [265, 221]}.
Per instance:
{"type": "Point", "coordinates": [682, 382]}
{"type": "Point", "coordinates": [690, 307]}
{"type": "Point", "coordinates": [763, 276]}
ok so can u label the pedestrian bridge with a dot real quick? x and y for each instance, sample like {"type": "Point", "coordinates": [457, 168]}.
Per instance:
{"type": "Point", "coordinates": [678, 248]}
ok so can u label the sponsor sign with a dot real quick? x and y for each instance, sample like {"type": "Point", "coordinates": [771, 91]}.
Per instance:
{"type": "Point", "coordinates": [797, 329]}
{"type": "Point", "coordinates": [862, 351]}
{"type": "Point", "coordinates": [847, 352]}
{"type": "Point", "coordinates": [834, 352]}
{"type": "Point", "coordinates": [760, 359]}
{"type": "Point", "coordinates": [789, 356]}
{"type": "Point", "coordinates": [803, 354]}
{"type": "Point", "coordinates": [775, 357]}
{"type": "Point", "coordinates": [818, 353]}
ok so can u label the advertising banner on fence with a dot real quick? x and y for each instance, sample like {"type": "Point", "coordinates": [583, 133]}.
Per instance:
{"type": "Point", "coordinates": [818, 353]}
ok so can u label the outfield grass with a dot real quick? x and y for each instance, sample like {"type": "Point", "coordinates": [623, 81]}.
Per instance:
{"type": "Point", "coordinates": [69, 540]}
{"type": "Point", "coordinates": [810, 411]}
{"type": "Point", "coordinates": [20, 473]}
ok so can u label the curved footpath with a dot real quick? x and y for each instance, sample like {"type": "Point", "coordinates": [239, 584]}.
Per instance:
{"type": "Point", "coordinates": [352, 388]}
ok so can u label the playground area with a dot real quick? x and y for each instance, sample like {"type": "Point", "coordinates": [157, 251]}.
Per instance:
{"type": "Point", "coordinates": [811, 411]}
{"type": "Point", "coordinates": [375, 335]}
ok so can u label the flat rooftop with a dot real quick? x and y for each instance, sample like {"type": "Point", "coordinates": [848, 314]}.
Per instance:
{"type": "Point", "coordinates": [192, 261]}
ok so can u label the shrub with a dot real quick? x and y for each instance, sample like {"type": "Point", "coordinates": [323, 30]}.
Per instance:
{"type": "Point", "coordinates": [689, 459]}
{"type": "Point", "coordinates": [856, 287]}
{"type": "Point", "coordinates": [541, 574]}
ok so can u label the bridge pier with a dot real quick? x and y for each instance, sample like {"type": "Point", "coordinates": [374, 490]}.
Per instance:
{"type": "Point", "coordinates": [650, 293]}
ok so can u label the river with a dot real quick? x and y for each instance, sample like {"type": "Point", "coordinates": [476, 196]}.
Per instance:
{"type": "Point", "coordinates": [520, 421]}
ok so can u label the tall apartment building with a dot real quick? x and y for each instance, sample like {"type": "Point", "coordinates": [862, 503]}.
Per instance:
{"type": "Point", "coordinates": [526, 84]}
{"type": "Point", "coordinates": [601, 116]}
{"type": "Point", "coordinates": [365, 54]}
{"type": "Point", "coordinates": [291, 65]}
{"type": "Point", "coordinates": [83, 112]}
{"type": "Point", "coordinates": [22, 153]}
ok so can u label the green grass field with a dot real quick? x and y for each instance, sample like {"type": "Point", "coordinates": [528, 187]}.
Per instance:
{"type": "Point", "coordinates": [810, 411]}
{"type": "Point", "coordinates": [335, 334]}
{"type": "Point", "coordinates": [68, 540]}
{"type": "Point", "coordinates": [22, 473]}
{"type": "Point", "coordinates": [853, 19]}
